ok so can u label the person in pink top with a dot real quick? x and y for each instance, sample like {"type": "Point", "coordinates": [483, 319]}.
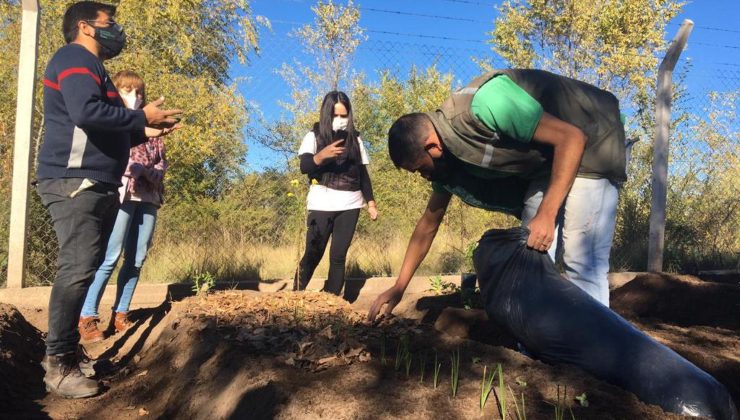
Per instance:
{"type": "Point", "coordinates": [141, 195]}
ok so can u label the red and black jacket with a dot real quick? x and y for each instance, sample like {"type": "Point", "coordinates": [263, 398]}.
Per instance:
{"type": "Point", "coordinates": [88, 130]}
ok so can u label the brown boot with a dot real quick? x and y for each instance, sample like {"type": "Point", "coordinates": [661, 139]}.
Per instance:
{"type": "Point", "coordinates": [121, 321]}
{"type": "Point", "coordinates": [89, 331]}
{"type": "Point", "coordinates": [63, 377]}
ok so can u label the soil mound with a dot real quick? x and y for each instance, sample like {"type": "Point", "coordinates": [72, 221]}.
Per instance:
{"type": "Point", "coordinates": [309, 355]}
{"type": "Point", "coordinates": [680, 300]}
{"type": "Point", "coordinates": [699, 320]}
{"type": "Point", "coordinates": [21, 351]}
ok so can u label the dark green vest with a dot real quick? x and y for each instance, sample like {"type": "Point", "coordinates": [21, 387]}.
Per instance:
{"type": "Point", "coordinates": [594, 111]}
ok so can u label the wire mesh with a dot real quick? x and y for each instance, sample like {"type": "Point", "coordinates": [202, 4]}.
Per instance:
{"type": "Point", "coordinates": [256, 229]}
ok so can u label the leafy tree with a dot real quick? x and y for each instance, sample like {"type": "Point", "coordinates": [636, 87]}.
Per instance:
{"type": "Point", "coordinates": [330, 42]}
{"type": "Point", "coordinates": [182, 49]}
{"type": "Point", "coordinates": [608, 43]}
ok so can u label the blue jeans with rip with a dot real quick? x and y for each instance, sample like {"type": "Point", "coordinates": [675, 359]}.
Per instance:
{"type": "Point", "coordinates": [132, 234]}
{"type": "Point", "coordinates": [584, 231]}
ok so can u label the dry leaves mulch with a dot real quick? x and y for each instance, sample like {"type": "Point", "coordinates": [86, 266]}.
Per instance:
{"type": "Point", "coordinates": [309, 330]}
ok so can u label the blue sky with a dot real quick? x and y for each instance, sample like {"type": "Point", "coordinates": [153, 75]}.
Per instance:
{"type": "Point", "coordinates": [402, 32]}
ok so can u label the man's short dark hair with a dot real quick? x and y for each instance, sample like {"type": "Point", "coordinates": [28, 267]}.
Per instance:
{"type": "Point", "coordinates": [406, 138]}
{"type": "Point", "coordinates": [84, 10]}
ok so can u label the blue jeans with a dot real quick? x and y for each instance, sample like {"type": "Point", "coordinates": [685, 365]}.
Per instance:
{"type": "Point", "coordinates": [584, 231]}
{"type": "Point", "coordinates": [132, 233]}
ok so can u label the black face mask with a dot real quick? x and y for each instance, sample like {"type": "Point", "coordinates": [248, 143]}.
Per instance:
{"type": "Point", "coordinates": [111, 40]}
{"type": "Point", "coordinates": [441, 170]}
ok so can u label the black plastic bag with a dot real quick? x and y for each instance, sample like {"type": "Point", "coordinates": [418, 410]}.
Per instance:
{"type": "Point", "coordinates": [557, 322]}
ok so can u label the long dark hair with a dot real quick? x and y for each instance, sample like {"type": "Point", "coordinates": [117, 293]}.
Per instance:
{"type": "Point", "coordinates": [326, 135]}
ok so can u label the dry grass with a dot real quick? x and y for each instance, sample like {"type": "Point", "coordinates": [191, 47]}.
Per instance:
{"type": "Point", "coordinates": [230, 260]}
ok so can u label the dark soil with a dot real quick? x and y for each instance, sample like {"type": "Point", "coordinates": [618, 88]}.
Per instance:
{"type": "Point", "coordinates": [699, 320]}
{"type": "Point", "coordinates": [243, 354]}
{"type": "Point", "coordinates": [21, 351]}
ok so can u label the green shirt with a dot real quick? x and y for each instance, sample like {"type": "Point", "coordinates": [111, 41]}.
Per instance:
{"type": "Point", "coordinates": [506, 108]}
{"type": "Point", "coordinates": [483, 188]}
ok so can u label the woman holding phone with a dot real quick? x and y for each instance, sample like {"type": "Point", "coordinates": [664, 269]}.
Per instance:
{"type": "Point", "coordinates": [335, 160]}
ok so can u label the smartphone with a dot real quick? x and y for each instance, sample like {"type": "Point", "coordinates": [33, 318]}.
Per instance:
{"type": "Point", "coordinates": [177, 119]}
{"type": "Point", "coordinates": [340, 135]}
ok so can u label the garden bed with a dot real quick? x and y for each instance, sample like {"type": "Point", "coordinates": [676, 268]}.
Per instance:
{"type": "Point", "coordinates": [244, 354]}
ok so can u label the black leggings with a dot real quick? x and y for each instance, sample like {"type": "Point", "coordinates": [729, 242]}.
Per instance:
{"type": "Point", "coordinates": [340, 225]}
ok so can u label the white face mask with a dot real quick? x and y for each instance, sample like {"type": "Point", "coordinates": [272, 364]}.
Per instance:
{"type": "Point", "coordinates": [339, 123]}
{"type": "Point", "coordinates": [131, 100]}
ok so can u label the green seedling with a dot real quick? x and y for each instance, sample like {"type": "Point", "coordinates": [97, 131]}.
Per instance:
{"type": "Point", "coordinates": [422, 366]}
{"type": "Point", "coordinates": [501, 391]}
{"type": "Point", "coordinates": [439, 286]}
{"type": "Point", "coordinates": [401, 351]}
{"type": "Point", "coordinates": [582, 399]}
{"type": "Point", "coordinates": [437, 368]}
{"type": "Point", "coordinates": [203, 282]}
{"type": "Point", "coordinates": [519, 410]}
{"type": "Point", "coordinates": [382, 349]}
{"type": "Point", "coordinates": [560, 404]}
{"type": "Point", "coordinates": [397, 365]}
{"type": "Point", "coordinates": [485, 386]}
{"type": "Point", "coordinates": [408, 359]}
{"type": "Point", "coordinates": [455, 372]}
{"type": "Point", "coordinates": [297, 314]}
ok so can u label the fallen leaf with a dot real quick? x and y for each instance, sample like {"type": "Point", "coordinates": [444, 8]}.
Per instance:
{"type": "Point", "coordinates": [326, 332]}
{"type": "Point", "coordinates": [326, 360]}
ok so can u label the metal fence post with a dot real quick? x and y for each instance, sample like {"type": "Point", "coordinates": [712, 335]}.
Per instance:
{"type": "Point", "coordinates": [664, 92]}
{"type": "Point", "coordinates": [22, 146]}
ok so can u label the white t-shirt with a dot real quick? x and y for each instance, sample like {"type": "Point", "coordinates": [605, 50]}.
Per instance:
{"type": "Point", "coordinates": [323, 198]}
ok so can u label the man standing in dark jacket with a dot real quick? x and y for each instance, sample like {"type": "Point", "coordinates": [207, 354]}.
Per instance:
{"type": "Point", "coordinates": [545, 148]}
{"type": "Point", "coordinates": [87, 137]}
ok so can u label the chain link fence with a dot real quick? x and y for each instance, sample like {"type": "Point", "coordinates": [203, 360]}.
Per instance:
{"type": "Point", "coordinates": [256, 230]}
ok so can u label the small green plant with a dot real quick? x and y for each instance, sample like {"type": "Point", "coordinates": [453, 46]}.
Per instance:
{"type": "Point", "coordinates": [298, 316]}
{"type": "Point", "coordinates": [382, 349]}
{"type": "Point", "coordinates": [437, 368]}
{"type": "Point", "coordinates": [402, 351]}
{"type": "Point", "coordinates": [203, 281]}
{"type": "Point", "coordinates": [582, 399]}
{"type": "Point", "coordinates": [485, 386]}
{"type": "Point", "coordinates": [422, 366]}
{"type": "Point", "coordinates": [519, 410]}
{"type": "Point", "coordinates": [501, 392]}
{"type": "Point", "coordinates": [408, 360]}
{"type": "Point", "coordinates": [440, 287]}
{"type": "Point", "coordinates": [455, 372]}
{"type": "Point", "coordinates": [397, 364]}
{"type": "Point", "coordinates": [561, 404]}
